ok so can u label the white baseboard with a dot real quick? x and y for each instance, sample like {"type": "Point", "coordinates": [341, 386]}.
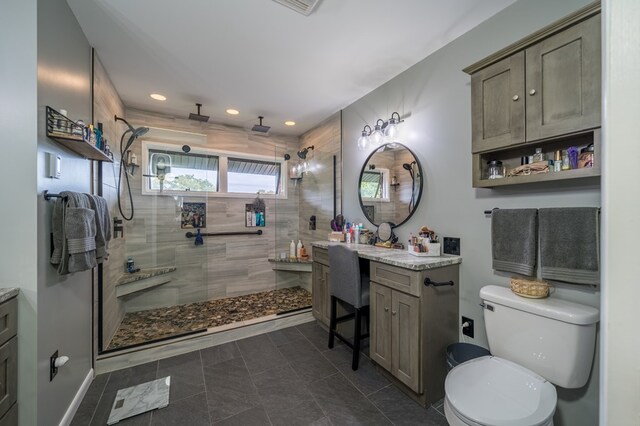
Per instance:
{"type": "Point", "coordinates": [71, 411]}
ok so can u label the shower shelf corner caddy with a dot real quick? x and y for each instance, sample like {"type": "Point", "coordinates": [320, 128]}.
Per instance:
{"type": "Point", "coordinates": [75, 143]}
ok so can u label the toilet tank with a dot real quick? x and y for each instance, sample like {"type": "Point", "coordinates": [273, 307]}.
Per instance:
{"type": "Point", "coordinates": [552, 337]}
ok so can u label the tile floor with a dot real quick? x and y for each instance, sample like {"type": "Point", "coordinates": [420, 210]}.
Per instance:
{"type": "Point", "coordinates": [286, 377]}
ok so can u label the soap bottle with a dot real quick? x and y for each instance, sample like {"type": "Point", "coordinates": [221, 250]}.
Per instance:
{"type": "Point", "coordinates": [538, 156]}
{"type": "Point", "coordinates": [298, 248]}
{"type": "Point", "coordinates": [292, 250]}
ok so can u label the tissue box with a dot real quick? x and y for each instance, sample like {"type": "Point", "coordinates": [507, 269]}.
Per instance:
{"type": "Point", "coordinates": [434, 250]}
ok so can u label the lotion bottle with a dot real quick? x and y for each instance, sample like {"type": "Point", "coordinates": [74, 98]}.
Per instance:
{"type": "Point", "coordinates": [298, 248]}
{"type": "Point", "coordinates": [292, 250]}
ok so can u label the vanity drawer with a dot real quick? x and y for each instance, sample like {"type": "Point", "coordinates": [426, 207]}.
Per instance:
{"type": "Point", "coordinates": [401, 279]}
{"type": "Point", "coordinates": [11, 418]}
{"type": "Point", "coordinates": [8, 320]}
{"type": "Point", "coordinates": [321, 255]}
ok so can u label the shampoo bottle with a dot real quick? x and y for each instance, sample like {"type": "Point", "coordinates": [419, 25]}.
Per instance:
{"type": "Point", "coordinates": [292, 249]}
{"type": "Point", "coordinates": [298, 248]}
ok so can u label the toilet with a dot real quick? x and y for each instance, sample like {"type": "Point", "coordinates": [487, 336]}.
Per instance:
{"type": "Point", "coordinates": [535, 344]}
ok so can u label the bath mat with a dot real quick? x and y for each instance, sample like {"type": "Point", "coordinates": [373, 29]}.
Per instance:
{"type": "Point", "coordinates": [139, 399]}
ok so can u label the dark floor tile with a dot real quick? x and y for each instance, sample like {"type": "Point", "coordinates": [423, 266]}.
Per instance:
{"type": "Point", "coordinates": [285, 335]}
{"type": "Point", "coordinates": [260, 354]}
{"type": "Point", "coordinates": [366, 378]}
{"type": "Point", "coordinates": [90, 401]}
{"type": "Point", "coordinates": [186, 374]}
{"type": "Point", "coordinates": [306, 360]}
{"type": "Point", "coordinates": [104, 409]}
{"type": "Point", "coordinates": [322, 422]}
{"type": "Point", "coordinates": [221, 353]}
{"type": "Point", "coordinates": [229, 389]}
{"type": "Point", "coordinates": [280, 389]}
{"type": "Point", "coordinates": [132, 376]}
{"type": "Point", "coordinates": [253, 417]}
{"type": "Point", "coordinates": [402, 410]}
{"type": "Point", "coordinates": [192, 411]}
{"type": "Point", "coordinates": [304, 414]}
{"type": "Point", "coordinates": [344, 404]}
{"type": "Point", "coordinates": [317, 335]}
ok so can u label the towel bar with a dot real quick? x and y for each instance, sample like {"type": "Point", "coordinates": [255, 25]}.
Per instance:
{"type": "Point", "coordinates": [216, 234]}
{"type": "Point", "coordinates": [48, 196]}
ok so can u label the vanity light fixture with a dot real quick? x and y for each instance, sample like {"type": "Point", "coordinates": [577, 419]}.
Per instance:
{"type": "Point", "coordinates": [377, 135]}
{"type": "Point", "coordinates": [158, 97]}
{"type": "Point", "coordinates": [232, 111]}
{"type": "Point", "coordinates": [289, 123]}
{"type": "Point", "coordinates": [363, 140]}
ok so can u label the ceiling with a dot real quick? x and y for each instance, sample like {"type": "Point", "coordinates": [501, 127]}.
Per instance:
{"type": "Point", "coordinates": [262, 58]}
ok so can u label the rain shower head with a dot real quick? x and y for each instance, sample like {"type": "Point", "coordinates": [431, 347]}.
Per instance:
{"type": "Point", "coordinates": [259, 128]}
{"type": "Point", "coordinates": [198, 116]}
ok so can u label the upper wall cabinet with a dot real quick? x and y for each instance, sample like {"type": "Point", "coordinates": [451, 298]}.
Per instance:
{"type": "Point", "coordinates": [538, 92]}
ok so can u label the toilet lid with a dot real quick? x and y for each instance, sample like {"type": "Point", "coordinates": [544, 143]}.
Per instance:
{"type": "Point", "coordinates": [493, 391]}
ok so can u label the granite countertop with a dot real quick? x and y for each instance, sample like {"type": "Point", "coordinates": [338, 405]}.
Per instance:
{"type": "Point", "coordinates": [395, 257]}
{"type": "Point", "coordinates": [8, 293]}
{"type": "Point", "coordinates": [144, 274]}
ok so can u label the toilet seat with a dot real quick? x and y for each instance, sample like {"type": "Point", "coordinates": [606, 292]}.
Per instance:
{"type": "Point", "coordinates": [494, 391]}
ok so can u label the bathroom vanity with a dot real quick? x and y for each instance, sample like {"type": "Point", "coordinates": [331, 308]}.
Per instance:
{"type": "Point", "coordinates": [8, 356]}
{"type": "Point", "coordinates": [413, 313]}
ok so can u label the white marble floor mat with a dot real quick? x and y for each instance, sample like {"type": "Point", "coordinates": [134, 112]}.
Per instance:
{"type": "Point", "coordinates": [139, 399]}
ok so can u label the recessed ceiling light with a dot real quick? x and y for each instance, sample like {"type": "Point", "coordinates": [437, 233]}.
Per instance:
{"type": "Point", "coordinates": [290, 123]}
{"type": "Point", "coordinates": [233, 111]}
{"type": "Point", "coordinates": [158, 97]}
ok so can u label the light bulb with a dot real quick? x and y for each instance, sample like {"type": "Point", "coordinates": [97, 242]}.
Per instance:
{"type": "Point", "coordinates": [376, 136]}
{"type": "Point", "coordinates": [363, 141]}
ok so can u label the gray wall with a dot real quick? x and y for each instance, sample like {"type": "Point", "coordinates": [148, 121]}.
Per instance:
{"type": "Point", "coordinates": [18, 117]}
{"type": "Point", "coordinates": [435, 94]}
{"type": "Point", "coordinates": [64, 302]}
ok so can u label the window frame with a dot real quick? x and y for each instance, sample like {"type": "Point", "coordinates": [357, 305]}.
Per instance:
{"type": "Point", "coordinates": [386, 187]}
{"type": "Point", "coordinates": [223, 157]}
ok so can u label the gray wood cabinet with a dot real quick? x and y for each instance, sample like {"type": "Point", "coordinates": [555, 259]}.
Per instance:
{"type": "Point", "coordinates": [8, 362]}
{"type": "Point", "coordinates": [320, 293]}
{"type": "Point", "coordinates": [411, 326]}
{"type": "Point", "coordinates": [543, 91]}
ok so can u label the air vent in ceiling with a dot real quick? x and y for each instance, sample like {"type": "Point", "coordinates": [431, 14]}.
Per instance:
{"type": "Point", "coordinates": [302, 6]}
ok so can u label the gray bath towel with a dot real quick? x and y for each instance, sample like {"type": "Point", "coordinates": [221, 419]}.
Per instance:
{"type": "Point", "coordinates": [103, 226]}
{"type": "Point", "coordinates": [514, 238]}
{"type": "Point", "coordinates": [570, 245]}
{"type": "Point", "coordinates": [74, 234]}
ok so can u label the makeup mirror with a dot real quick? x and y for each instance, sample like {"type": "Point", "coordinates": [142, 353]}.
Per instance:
{"type": "Point", "coordinates": [390, 185]}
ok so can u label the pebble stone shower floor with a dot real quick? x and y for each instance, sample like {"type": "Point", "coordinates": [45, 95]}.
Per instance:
{"type": "Point", "coordinates": [145, 326]}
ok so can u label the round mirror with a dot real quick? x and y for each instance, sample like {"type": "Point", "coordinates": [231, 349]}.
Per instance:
{"type": "Point", "coordinates": [390, 185]}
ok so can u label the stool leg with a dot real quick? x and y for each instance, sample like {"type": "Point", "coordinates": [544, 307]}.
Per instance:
{"type": "Point", "coordinates": [332, 322]}
{"type": "Point", "coordinates": [356, 340]}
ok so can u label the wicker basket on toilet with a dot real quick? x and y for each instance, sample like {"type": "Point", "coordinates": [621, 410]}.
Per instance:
{"type": "Point", "coordinates": [530, 288]}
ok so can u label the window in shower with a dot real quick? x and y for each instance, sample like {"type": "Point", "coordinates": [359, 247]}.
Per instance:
{"type": "Point", "coordinates": [216, 173]}
{"type": "Point", "coordinates": [253, 176]}
{"type": "Point", "coordinates": [186, 171]}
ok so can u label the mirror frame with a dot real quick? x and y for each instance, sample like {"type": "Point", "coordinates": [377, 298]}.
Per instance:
{"type": "Point", "coordinates": [418, 198]}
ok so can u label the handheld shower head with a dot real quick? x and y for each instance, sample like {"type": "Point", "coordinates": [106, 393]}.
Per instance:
{"type": "Point", "coordinates": [407, 166]}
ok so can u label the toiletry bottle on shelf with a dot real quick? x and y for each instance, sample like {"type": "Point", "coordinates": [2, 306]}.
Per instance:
{"type": "Point", "coordinates": [538, 156]}
{"type": "Point", "coordinates": [557, 162]}
{"type": "Point", "coordinates": [292, 250]}
{"type": "Point", "coordinates": [298, 248]}
{"type": "Point", "coordinates": [565, 161]}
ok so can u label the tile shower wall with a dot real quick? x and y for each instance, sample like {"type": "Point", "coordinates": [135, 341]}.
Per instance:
{"type": "Point", "coordinates": [316, 187]}
{"type": "Point", "coordinates": [223, 266]}
{"type": "Point", "coordinates": [106, 104]}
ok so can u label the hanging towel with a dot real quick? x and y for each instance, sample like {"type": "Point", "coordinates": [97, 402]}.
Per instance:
{"type": "Point", "coordinates": [570, 245]}
{"type": "Point", "coordinates": [103, 226]}
{"type": "Point", "coordinates": [74, 234]}
{"type": "Point", "coordinates": [514, 237]}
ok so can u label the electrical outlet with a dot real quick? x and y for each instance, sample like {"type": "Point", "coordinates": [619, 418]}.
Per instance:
{"type": "Point", "coordinates": [53, 370]}
{"type": "Point", "coordinates": [467, 331]}
{"type": "Point", "coordinates": [451, 245]}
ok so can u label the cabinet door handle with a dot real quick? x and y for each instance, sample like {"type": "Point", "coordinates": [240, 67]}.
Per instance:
{"type": "Point", "coordinates": [386, 309]}
{"type": "Point", "coordinates": [515, 97]}
{"type": "Point", "coordinates": [532, 92]}
{"type": "Point", "coordinates": [393, 312]}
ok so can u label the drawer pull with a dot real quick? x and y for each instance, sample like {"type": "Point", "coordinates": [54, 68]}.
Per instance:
{"type": "Point", "coordinates": [386, 309]}
{"type": "Point", "coordinates": [393, 312]}
{"type": "Point", "coordinates": [428, 282]}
